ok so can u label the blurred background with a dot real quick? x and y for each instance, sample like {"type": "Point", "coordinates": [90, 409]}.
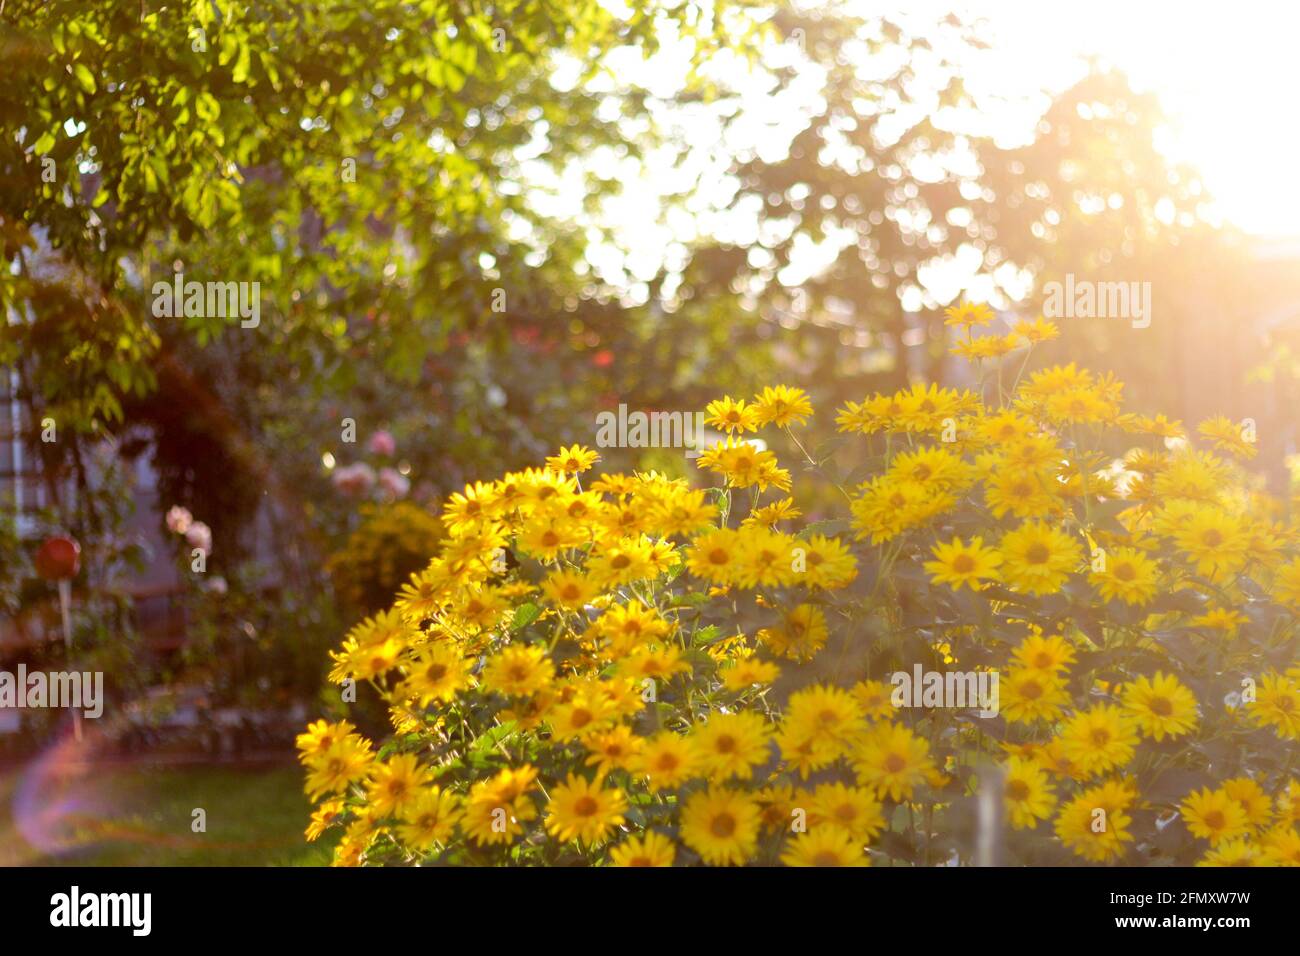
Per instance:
{"type": "Point", "coordinates": [473, 230]}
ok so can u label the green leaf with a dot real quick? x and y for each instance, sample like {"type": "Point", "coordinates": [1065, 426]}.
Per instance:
{"type": "Point", "coordinates": [831, 526]}
{"type": "Point", "coordinates": [485, 744]}
{"type": "Point", "coordinates": [706, 634]}
{"type": "Point", "coordinates": [525, 615]}
{"type": "Point", "coordinates": [84, 77]}
{"type": "Point", "coordinates": [240, 73]}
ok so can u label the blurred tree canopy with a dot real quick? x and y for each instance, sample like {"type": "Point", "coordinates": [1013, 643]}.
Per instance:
{"type": "Point", "coordinates": [356, 160]}
{"type": "Point", "coordinates": [359, 152]}
{"type": "Point", "coordinates": [904, 188]}
{"type": "Point", "coordinates": [370, 165]}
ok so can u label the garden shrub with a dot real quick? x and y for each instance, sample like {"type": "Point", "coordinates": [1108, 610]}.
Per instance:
{"type": "Point", "coordinates": [394, 540]}
{"type": "Point", "coordinates": [665, 674]}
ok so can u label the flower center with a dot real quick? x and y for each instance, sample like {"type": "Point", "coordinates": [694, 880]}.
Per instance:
{"type": "Point", "coordinates": [1017, 790]}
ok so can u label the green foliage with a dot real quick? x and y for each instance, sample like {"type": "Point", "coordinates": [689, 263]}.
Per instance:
{"type": "Point", "coordinates": [278, 144]}
{"type": "Point", "coordinates": [14, 565]}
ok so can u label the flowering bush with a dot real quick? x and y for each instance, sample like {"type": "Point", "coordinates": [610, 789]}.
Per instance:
{"type": "Point", "coordinates": [664, 674]}
{"type": "Point", "coordinates": [392, 540]}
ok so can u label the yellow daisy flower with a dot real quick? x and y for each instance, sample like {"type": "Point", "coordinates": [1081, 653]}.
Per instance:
{"type": "Point", "coordinates": [893, 761]}
{"type": "Point", "coordinates": [966, 314]}
{"type": "Point", "coordinates": [430, 818]}
{"type": "Point", "coordinates": [1094, 825]}
{"type": "Point", "coordinates": [668, 759]}
{"type": "Point", "coordinates": [1161, 706]}
{"type": "Point", "coordinates": [583, 811]}
{"type": "Point", "coordinates": [957, 564]}
{"type": "Point", "coordinates": [1214, 816]}
{"type": "Point", "coordinates": [731, 745]}
{"type": "Point", "coordinates": [1027, 794]}
{"type": "Point", "coordinates": [649, 849]}
{"type": "Point", "coordinates": [824, 846]}
{"type": "Point", "coordinates": [782, 406]}
{"type": "Point", "coordinates": [1099, 739]}
{"type": "Point", "coordinates": [721, 826]}
{"type": "Point", "coordinates": [1128, 576]}
{"type": "Point", "coordinates": [731, 416]}
{"type": "Point", "coordinates": [1038, 558]}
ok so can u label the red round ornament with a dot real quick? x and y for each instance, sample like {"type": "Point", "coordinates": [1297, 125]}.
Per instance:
{"type": "Point", "coordinates": [58, 557]}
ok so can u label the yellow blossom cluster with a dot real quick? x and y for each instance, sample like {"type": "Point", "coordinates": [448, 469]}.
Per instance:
{"type": "Point", "coordinates": [630, 669]}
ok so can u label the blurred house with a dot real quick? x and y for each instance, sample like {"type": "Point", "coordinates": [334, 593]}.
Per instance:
{"type": "Point", "coordinates": [28, 494]}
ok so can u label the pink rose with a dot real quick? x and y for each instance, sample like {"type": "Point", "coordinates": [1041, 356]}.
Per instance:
{"type": "Point", "coordinates": [383, 443]}
{"type": "Point", "coordinates": [179, 519]}
{"type": "Point", "coordinates": [199, 535]}
{"type": "Point", "coordinates": [354, 480]}
{"type": "Point", "coordinates": [391, 481]}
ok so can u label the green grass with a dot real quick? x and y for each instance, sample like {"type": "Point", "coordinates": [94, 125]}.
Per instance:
{"type": "Point", "coordinates": [141, 816]}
